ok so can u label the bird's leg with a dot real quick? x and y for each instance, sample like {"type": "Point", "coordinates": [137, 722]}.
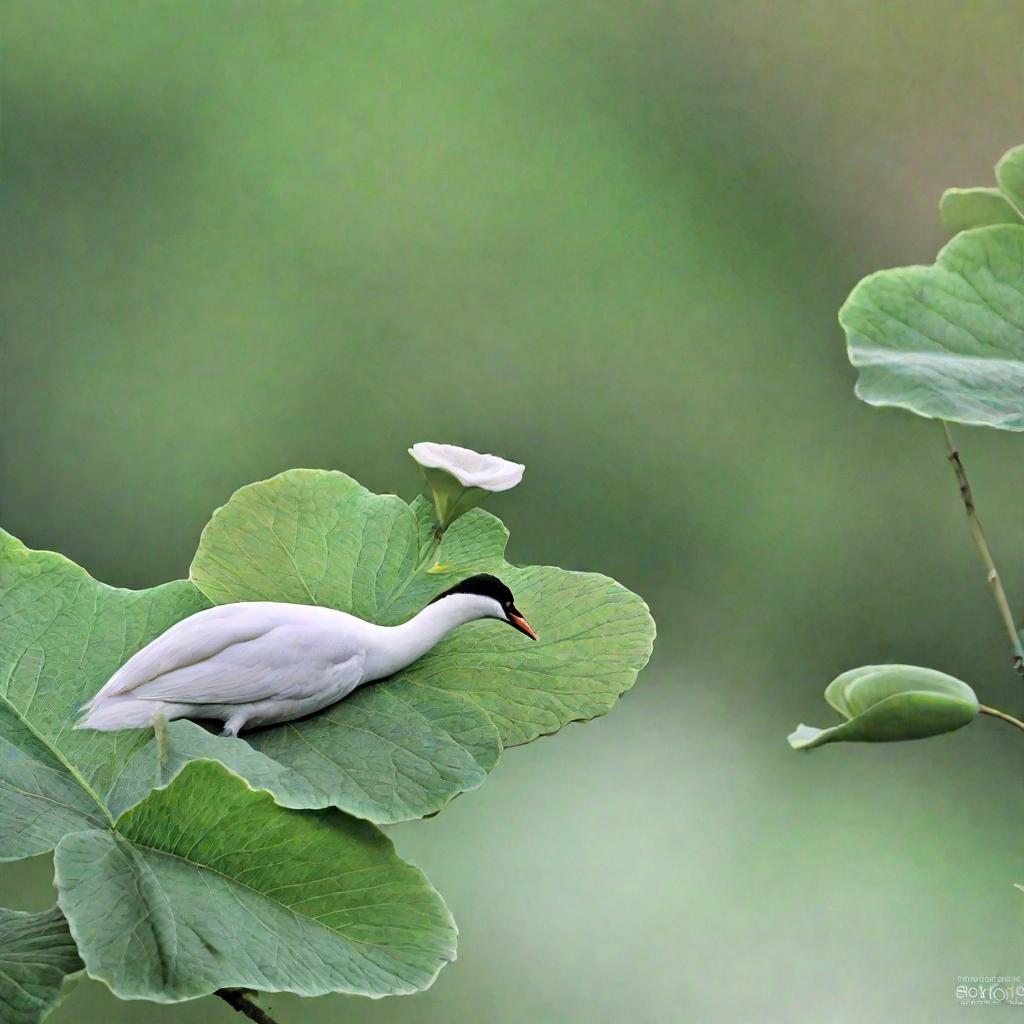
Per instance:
{"type": "Point", "coordinates": [234, 724]}
{"type": "Point", "coordinates": [160, 734]}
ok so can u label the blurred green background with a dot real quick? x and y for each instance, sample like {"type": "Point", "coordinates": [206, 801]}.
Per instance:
{"type": "Point", "coordinates": [608, 240]}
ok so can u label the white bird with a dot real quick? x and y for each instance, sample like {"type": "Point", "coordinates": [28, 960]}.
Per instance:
{"type": "Point", "coordinates": [261, 662]}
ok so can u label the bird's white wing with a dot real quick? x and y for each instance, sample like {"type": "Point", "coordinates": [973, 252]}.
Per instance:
{"type": "Point", "coordinates": [208, 638]}
{"type": "Point", "coordinates": [290, 662]}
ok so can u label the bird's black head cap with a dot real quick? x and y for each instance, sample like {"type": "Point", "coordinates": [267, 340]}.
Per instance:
{"type": "Point", "coordinates": [485, 585]}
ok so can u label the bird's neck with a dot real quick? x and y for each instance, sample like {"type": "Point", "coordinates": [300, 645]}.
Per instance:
{"type": "Point", "coordinates": [402, 645]}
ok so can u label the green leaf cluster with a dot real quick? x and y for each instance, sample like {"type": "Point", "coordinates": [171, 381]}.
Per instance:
{"type": "Point", "coordinates": [258, 862]}
{"type": "Point", "coordinates": [946, 341]}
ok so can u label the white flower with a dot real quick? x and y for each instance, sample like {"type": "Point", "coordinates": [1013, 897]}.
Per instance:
{"type": "Point", "coordinates": [460, 479]}
{"type": "Point", "coordinates": [470, 468]}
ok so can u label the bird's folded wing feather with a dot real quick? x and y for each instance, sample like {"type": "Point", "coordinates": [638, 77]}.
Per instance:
{"type": "Point", "coordinates": [253, 671]}
{"type": "Point", "coordinates": [228, 655]}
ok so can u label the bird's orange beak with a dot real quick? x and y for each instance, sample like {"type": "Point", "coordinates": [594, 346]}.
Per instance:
{"type": "Point", "coordinates": [521, 624]}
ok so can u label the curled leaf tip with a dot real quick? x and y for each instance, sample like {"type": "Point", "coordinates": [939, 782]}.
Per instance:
{"type": "Point", "coordinates": [804, 737]}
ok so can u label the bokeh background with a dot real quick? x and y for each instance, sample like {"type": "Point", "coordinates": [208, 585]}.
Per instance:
{"type": "Point", "coordinates": [608, 240]}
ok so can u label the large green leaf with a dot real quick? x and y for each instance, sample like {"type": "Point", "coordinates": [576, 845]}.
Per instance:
{"type": "Point", "coordinates": [946, 341]}
{"type": "Point", "coordinates": [37, 958]}
{"type": "Point", "coordinates": [208, 883]}
{"type": "Point", "coordinates": [405, 746]}
{"type": "Point", "coordinates": [62, 635]}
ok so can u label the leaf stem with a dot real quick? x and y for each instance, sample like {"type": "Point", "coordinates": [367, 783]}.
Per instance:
{"type": "Point", "coordinates": [240, 1001]}
{"type": "Point", "coordinates": [1003, 605]}
{"type": "Point", "coordinates": [1001, 714]}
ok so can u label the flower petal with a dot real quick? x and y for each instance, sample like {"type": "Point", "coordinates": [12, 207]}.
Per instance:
{"type": "Point", "coordinates": [470, 468]}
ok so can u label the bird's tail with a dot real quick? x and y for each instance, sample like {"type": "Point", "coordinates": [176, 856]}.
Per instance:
{"type": "Point", "coordinates": [126, 713]}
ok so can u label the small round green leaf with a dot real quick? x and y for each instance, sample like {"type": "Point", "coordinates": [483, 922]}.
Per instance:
{"type": "Point", "coordinates": [887, 703]}
{"type": "Point", "coordinates": [961, 209]}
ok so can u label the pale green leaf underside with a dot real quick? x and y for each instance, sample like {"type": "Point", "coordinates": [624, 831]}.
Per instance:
{"type": "Point", "coordinates": [209, 884]}
{"type": "Point", "coordinates": [37, 959]}
{"type": "Point", "coordinates": [946, 341]}
{"type": "Point", "coordinates": [312, 536]}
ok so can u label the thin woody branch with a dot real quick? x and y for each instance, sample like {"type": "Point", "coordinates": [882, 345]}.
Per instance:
{"type": "Point", "coordinates": [995, 583]}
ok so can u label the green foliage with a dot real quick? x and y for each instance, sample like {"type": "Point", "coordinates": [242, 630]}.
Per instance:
{"type": "Point", "coordinates": [37, 959]}
{"type": "Point", "coordinates": [947, 341]}
{"type": "Point", "coordinates": [62, 634]}
{"type": "Point", "coordinates": [884, 703]}
{"type": "Point", "coordinates": [207, 862]}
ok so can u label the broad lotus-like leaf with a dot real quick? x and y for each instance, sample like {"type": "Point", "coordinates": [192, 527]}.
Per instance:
{"type": "Point", "coordinates": [961, 209]}
{"type": "Point", "coordinates": [209, 884]}
{"type": "Point", "coordinates": [946, 341]}
{"type": "Point", "coordinates": [37, 960]}
{"type": "Point", "coordinates": [62, 635]}
{"type": "Point", "coordinates": [403, 747]}
{"type": "Point", "coordinates": [885, 703]}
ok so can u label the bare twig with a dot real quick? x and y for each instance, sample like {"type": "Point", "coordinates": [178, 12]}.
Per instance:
{"type": "Point", "coordinates": [238, 1000]}
{"type": "Point", "coordinates": [953, 454]}
{"type": "Point", "coordinates": [1001, 714]}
